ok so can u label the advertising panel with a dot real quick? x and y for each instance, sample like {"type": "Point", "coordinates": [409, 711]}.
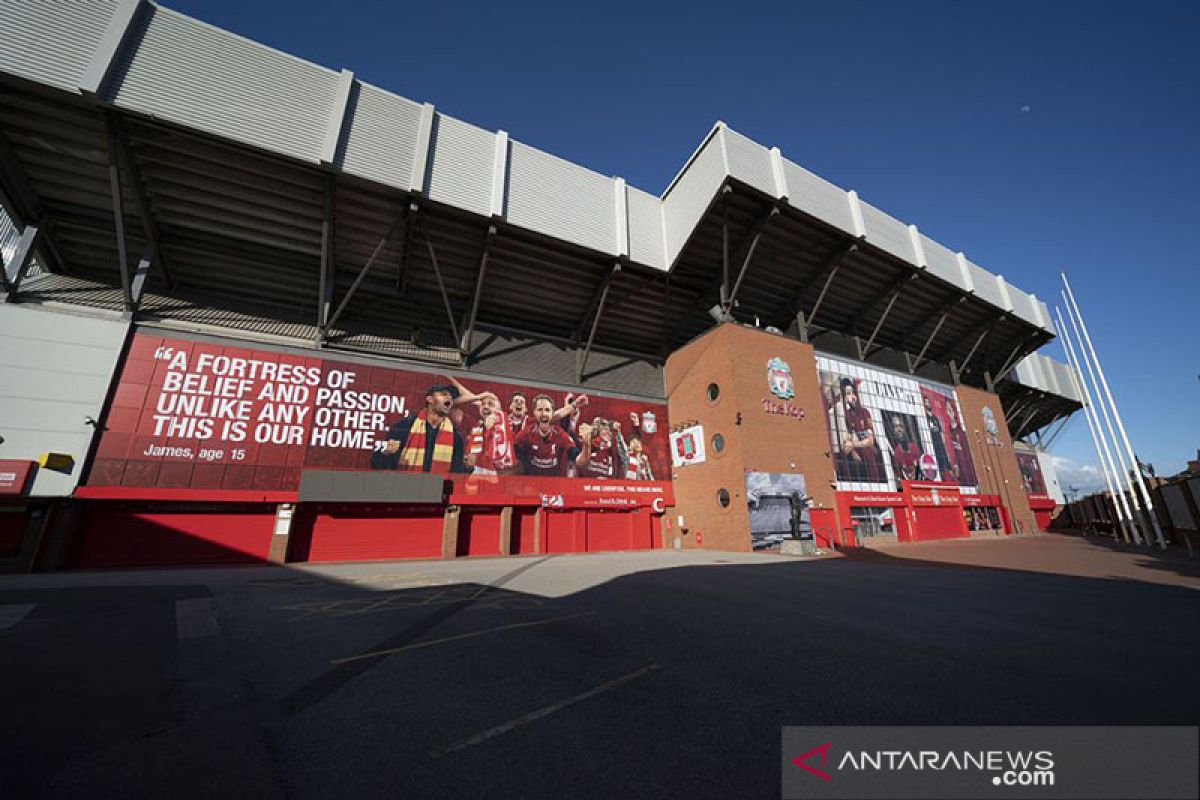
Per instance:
{"type": "Point", "coordinates": [1031, 475]}
{"type": "Point", "coordinates": [886, 428]}
{"type": "Point", "coordinates": [207, 416]}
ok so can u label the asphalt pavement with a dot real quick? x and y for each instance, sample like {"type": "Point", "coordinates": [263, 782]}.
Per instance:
{"type": "Point", "coordinates": [628, 674]}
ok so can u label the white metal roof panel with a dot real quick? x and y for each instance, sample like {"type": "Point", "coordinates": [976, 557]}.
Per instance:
{"type": "Point", "coordinates": [817, 197]}
{"type": "Point", "coordinates": [887, 233]}
{"type": "Point", "coordinates": [942, 262]}
{"type": "Point", "coordinates": [691, 193]}
{"type": "Point", "coordinates": [645, 228]}
{"type": "Point", "coordinates": [51, 42]}
{"type": "Point", "coordinates": [749, 161]}
{"type": "Point", "coordinates": [564, 200]}
{"type": "Point", "coordinates": [381, 137]}
{"type": "Point", "coordinates": [188, 72]}
{"type": "Point", "coordinates": [461, 163]}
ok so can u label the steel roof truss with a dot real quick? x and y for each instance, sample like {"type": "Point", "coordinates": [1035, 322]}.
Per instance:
{"type": "Point", "coordinates": [759, 229]}
{"type": "Point", "coordinates": [437, 273]}
{"type": "Point", "coordinates": [325, 279]}
{"type": "Point", "coordinates": [14, 272]}
{"type": "Point", "coordinates": [469, 321]}
{"type": "Point", "coordinates": [933, 334]}
{"type": "Point", "coordinates": [895, 289]}
{"type": "Point", "coordinates": [358, 279]}
{"type": "Point", "coordinates": [599, 303]}
{"type": "Point", "coordinates": [22, 204]}
{"type": "Point", "coordinates": [138, 189]}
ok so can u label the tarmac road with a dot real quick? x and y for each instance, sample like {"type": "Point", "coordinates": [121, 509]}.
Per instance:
{"type": "Point", "coordinates": [631, 674]}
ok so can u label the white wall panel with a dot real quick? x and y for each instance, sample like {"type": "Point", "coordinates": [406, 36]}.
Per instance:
{"type": "Point", "coordinates": [817, 197]}
{"type": "Point", "coordinates": [461, 163]}
{"type": "Point", "coordinates": [51, 42]}
{"type": "Point", "coordinates": [381, 137]}
{"type": "Point", "coordinates": [749, 161]}
{"type": "Point", "coordinates": [645, 228]}
{"type": "Point", "coordinates": [55, 371]}
{"type": "Point", "coordinates": [561, 199]}
{"type": "Point", "coordinates": [888, 233]}
{"type": "Point", "coordinates": [1023, 306]}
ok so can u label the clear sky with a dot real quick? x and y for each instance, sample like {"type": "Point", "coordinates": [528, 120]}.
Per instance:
{"type": "Point", "coordinates": [1031, 136]}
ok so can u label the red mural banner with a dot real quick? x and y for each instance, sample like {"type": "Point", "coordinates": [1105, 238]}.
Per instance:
{"type": "Point", "coordinates": [198, 415]}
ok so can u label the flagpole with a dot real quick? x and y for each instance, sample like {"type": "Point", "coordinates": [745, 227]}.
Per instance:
{"type": "Point", "coordinates": [1137, 473]}
{"type": "Point", "coordinates": [1104, 456]}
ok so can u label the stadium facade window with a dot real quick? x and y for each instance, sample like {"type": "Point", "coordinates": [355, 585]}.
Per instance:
{"type": "Point", "coordinates": [713, 392]}
{"type": "Point", "coordinates": [723, 497]}
{"type": "Point", "coordinates": [718, 443]}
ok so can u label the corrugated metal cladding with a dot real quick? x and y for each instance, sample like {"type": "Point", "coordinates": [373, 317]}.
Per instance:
{"type": "Point", "coordinates": [942, 263]}
{"type": "Point", "coordinates": [461, 163]}
{"type": "Point", "coordinates": [188, 72]}
{"type": "Point", "coordinates": [564, 200]}
{"type": "Point", "coordinates": [51, 42]}
{"type": "Point", "coordinates": [1022, 305]}
{"type": "Point", "coordinates": [690, 196]}
{"type": "Point", "coordinates": [987, 288]}
{"type": "Point", "coordinates": [645, 228]}
{"type": "Point", "coordinates": [817, 197]}
{"type": "Point", "coordinates": [381, 137]}
{"type": "Point", "coordinates": [888, 233]}
{"type": "Point", "coordinates": [749, 161]}
{"type": "Point", "coordinates": [1047, 319]}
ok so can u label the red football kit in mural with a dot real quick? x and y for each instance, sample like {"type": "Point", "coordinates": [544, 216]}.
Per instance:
{"type": "Point", "coordinates": [492, 447]}
{"type": "Point", "coordinates": [866, 466]}
{"type": "Point", "coordinates": [962, 457]}
{"type": "Point", "coordinates": [600, 462]}
{"type": "Point", "coordinates": [547, 456]}
{"type": "Point", "coordinates": [906, 459]}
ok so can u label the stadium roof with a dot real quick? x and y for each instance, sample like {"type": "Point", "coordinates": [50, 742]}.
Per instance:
{"type": "Point", "coordinates": [266, 193]}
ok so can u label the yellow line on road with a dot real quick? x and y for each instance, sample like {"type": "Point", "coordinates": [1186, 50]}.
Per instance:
{"type": "Point", "coordinates": [445, 639]}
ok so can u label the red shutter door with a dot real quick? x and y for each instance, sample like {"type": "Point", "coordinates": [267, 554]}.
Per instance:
{"type": "Point", "coordinates": [939, 522]}
{"type": "Point", "coordinates": [479, 532]}
{"type": "Point", "coordinates": [117, 535]}
{"type": "Point", "coordinates": [355, 533]}
{"type": "Point", "coordinates": [565, 531]}
{"type": "Point", "coordinates": [608, 530]}
{"type": "Point", "coordinates": [523, 522]}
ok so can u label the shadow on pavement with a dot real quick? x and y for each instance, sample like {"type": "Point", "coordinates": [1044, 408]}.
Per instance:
{"type": "Point", "coordinates": [550, 678]}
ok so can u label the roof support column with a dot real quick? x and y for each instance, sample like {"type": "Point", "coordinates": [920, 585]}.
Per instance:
{"type": "Point", "coordinates": [725, 191]}
{"type": "Point", "coordinates": [831, 267]}
{"type": "Point", "coordinates": [410, 225]}
{"type": "Point", "coordinates": [138, 189]}
{"type": "Point", "coordinates": [971, 353]}
{"type": "Point", "coordinates": [14, 272]}
{"type": "Point", "coordinates": [600, 301]}
{"type": "Point", "coordinates": [358, 279]}
{"type": "Point", "coordinates": [325, 277]}
{"type": "Point", "coordinates": [866, 348]}
{"type": "Point", "coordinates": [469, 322]}
{"type": "Point", "coordinates": [114, 183]}
{"type": "Point", "coordinates": [1011, 361]}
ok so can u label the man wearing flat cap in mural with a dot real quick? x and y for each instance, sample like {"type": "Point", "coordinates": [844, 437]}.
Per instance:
{"type": "Point", "coordinates": [426, 442]}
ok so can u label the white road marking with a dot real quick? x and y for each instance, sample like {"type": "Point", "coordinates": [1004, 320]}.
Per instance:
{"type": "Point", "coordinates": [10, 615]}
{"type": "Point", "coordinates": [196, 618]}
{"type": "Point", "coordinates": [546, 711]}
{"type": "Point", "coordinates": [444, 639]}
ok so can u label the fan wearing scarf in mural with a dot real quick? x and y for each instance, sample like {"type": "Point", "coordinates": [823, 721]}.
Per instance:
{"type": "Point", "coordinates": [426, 442]}
{"type": "Point", "coordinates": [859, 457]}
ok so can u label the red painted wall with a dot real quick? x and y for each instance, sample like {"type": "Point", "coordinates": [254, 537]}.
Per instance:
{"type": "Point", "coordinates": [523, 522]}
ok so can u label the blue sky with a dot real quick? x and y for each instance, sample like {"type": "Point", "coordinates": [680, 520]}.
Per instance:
{"type": "Point", "coordinates": [1032, 136]}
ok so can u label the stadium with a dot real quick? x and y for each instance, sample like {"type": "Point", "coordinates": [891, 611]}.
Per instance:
{"type": "Point", "coordinates": [260, 310]}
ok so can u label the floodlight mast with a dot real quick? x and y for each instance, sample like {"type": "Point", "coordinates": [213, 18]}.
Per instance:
{"type": "Point", "coordinates": [1102, 455]}
{"type": "Point", "coordinates": [1137, 473]}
